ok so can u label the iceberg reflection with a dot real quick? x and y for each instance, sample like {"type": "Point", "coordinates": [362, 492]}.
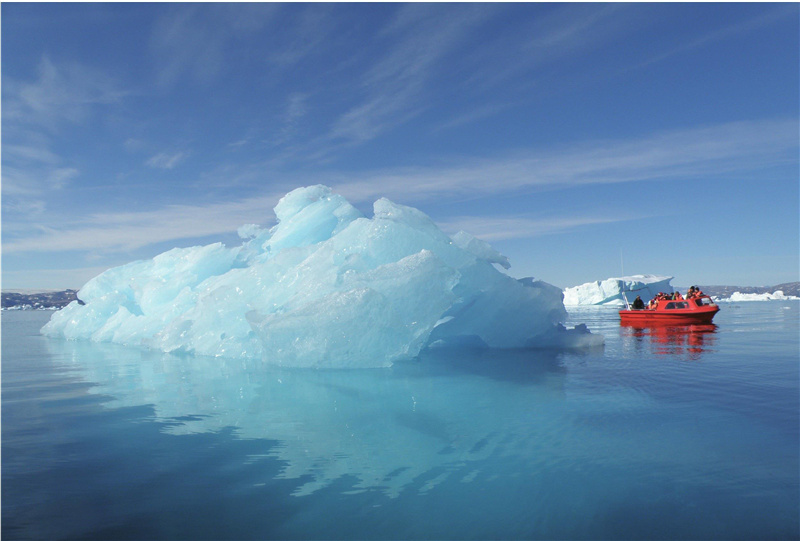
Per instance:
{"type": "Point", "coordinates": [448, 412]}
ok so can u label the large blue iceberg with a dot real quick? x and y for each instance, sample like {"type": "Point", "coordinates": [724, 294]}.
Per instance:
{"type": "Point", "coordinates": [325, 287]}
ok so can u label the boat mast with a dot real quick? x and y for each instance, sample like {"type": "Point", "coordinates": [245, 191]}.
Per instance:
{"type": "Point", "coordinates": [622, 279]}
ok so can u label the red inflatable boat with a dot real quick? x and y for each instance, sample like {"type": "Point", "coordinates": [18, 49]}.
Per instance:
{"type": "Point", "coordinates": [680, 312]}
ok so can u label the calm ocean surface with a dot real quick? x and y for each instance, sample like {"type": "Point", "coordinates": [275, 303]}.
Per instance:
{"type": "Point", "coordinates": [659, 435]}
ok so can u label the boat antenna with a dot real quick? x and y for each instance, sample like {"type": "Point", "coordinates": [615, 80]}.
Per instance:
{"type": "Point", "coordinates": [622, 279]}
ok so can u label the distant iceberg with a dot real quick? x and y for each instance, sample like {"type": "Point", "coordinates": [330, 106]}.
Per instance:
{"type": "Point", "coordinates": [747, 297]}
{"type": "Point", "coordinates": [325, 287]}
{"type": "Point", "coordinates": [611, 290]}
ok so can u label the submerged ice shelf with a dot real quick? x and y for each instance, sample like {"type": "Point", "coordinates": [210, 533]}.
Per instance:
{"type": "Point", "coordinates": [325, 287]}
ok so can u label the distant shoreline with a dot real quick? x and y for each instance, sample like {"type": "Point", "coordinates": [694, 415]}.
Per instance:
{"type": "Point", "coordinates": [48, 299]}
{"type": "Point", "coordinates": [21, 299]}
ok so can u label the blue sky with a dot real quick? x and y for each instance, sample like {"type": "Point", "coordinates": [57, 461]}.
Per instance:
{"type": "Point", "coordinates": [575, 138]}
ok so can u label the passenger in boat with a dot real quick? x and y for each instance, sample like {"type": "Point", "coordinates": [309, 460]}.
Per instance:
{"type": "Point", "coordinates": [638, 303]}
{"type": "Point", "coordinates": [690, 293]}
{"type": "Point", "coordinates": [678, 296]}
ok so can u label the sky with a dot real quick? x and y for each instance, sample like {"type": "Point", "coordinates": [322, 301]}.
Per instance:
{"type": "Point", "coordinates": [583, 141]}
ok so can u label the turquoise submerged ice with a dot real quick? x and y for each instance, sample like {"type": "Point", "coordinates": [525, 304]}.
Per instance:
{"type": "Point", "coordinates": [325, 287]}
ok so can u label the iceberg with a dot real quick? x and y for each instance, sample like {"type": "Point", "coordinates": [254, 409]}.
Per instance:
{"type": "Point", "coordinates": [611, 290]}
{"type": "Point", "coordinates": [325, 287]}
{"type": "Point", "coordinates": [748, 297]}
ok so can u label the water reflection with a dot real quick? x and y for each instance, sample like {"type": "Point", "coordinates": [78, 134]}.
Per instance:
{"type": "Point", "coordinates": [448, 412]}
{"type": "Point", "coordinates": [685, 341]}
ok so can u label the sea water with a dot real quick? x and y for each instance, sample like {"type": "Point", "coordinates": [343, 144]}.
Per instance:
{"type": "Point", "coordinates": [687, 433]}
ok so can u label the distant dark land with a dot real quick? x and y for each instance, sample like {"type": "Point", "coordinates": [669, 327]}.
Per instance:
{"type": "Point", "coordinates": [53, 300]}
{"type": "Point", "coordinates": [39, 300]}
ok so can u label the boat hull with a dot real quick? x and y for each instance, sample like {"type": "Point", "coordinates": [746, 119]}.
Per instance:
{"type": "Point", "coordinates": [687, 317]}
{"type": "Point", "coordinates": [691, 311]}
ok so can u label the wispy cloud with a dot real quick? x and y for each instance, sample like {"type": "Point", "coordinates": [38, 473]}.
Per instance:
{"type": "Point", "coordinates": [721, 149]}
{"type": "Point", "coordinates": [289, 125]}
{"type": "Point", "coordinates": [31, 153]}
{"type": "Point", "coordinates": [30, 173]}
{"type": "Point", "coordinates": [494, 228]}
{"type": "Point", "coordinates": [34, 112]}
{"type": "Point", "coordinates": [779, 13]}
{"type": "Point", "coordinates": [164, 160]}
{"type": "Point", "coordinates": [193, 41]}
{"type": "Point", "coordinates": [309, 27]}
{"type": "Point", "coordinates": [565, 31]}
{"type": "Point", "coordinates": [479, 113]}
{"type": "Point", "coordinates": [734, 149]}
{"type": "Point", "coordinates": [133, 145]}
{"type": "Point", "coordinates": [295, 110]}
{"type": "Point", "coordinates": [427, 48]}
{"type": "Point", "coordinates": [420, 37]}
{"type": "Point", "coordinates": [62, 92]}
{"type": "Point", "coordinates": [125, 231]}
